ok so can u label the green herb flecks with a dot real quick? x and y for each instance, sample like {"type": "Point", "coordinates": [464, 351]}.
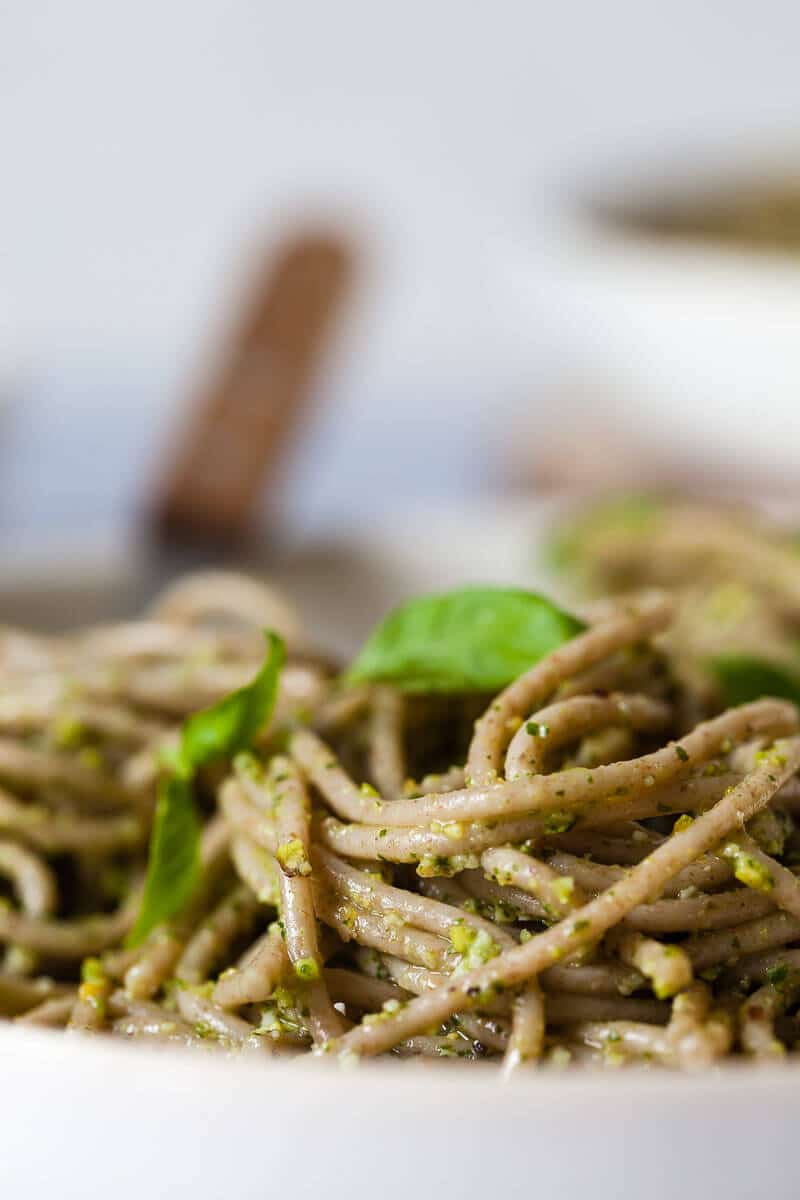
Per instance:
{"type": "Point", "coordinates": [748, 869]}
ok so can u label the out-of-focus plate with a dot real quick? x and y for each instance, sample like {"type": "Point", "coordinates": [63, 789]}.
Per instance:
{"type": "Point", "coordinates": [84, 1117]}
{"type": "Point", "coordinates": [341, 584]}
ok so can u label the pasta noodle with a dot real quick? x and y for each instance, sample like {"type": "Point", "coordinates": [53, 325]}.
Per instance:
{"type": "Point", "coordinates": [586, 876]}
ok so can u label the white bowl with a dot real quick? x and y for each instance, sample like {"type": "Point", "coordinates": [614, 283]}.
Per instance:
{"type": "Point", "coordinates": [85, 1117]}
{"type": "Point", "coordinates": [684, 352]}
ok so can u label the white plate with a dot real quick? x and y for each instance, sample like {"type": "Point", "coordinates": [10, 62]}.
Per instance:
{"type": "Point", "coordinates": [83, 1118]}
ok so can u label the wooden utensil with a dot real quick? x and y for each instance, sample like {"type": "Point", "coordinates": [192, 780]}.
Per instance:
{"type": "Point", "coordinates": [239, 428]}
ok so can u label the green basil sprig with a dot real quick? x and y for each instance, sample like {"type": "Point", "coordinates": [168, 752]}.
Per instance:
{"type": "Point", "coordinates": [473, 639]}
{"type": "Point", "coordinates": [220, 731]}
{"type": "Point", "coordinates": [742, 678]}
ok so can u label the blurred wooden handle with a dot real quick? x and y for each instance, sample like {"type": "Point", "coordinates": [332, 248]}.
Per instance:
{"type": "Point", "coordinates": [239, 428]}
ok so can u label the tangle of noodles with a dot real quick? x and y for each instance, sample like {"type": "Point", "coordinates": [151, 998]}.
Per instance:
{"type": "Point", "coordinates": [585, 878]}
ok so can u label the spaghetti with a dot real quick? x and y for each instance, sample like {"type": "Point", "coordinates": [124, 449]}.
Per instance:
{"type": "Point", "coordinates": [582, 879]}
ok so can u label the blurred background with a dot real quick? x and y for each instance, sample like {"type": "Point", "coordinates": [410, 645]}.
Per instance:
{"type": "Point", "coordinates": [570, 229]}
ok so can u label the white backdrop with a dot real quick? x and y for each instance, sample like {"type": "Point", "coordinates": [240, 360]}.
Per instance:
{"type": "Point", "coordinates": [145, 147]}
{"type": "Point", "coordinates": [142, 144]}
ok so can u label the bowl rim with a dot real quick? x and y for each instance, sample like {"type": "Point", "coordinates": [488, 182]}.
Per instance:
{"type": "Point", "coordinates": [46, 1051]}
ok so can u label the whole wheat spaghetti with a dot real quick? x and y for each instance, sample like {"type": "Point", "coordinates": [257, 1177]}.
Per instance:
{"type": "Point", "coordinates": [565, 872]}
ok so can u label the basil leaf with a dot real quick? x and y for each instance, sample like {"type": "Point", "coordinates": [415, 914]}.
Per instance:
{"type": "Point", "coordinates": [230, 725]}
{"type": "Point", "coordinates": [742, 679]}
{"type": "Point", "coordinates": [220, 731]}
{"type": "Point", "coordinates": [173, 867]}
{"type": "Point", "coordinates": [474, 639]}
